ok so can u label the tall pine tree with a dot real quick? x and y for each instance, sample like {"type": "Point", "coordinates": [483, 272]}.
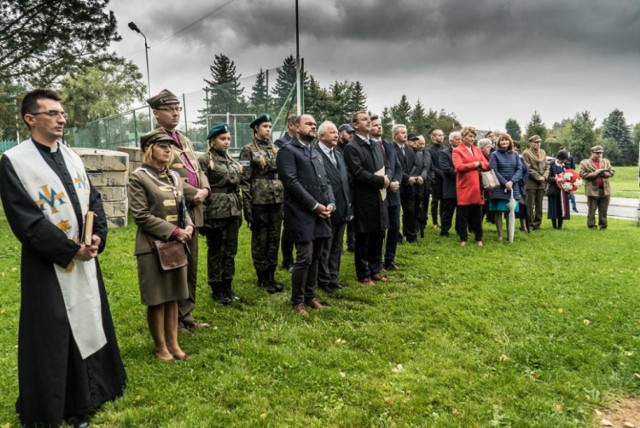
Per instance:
{"type": "Point", "coordinates": [536, 127]}
{"type": "Point", "coordinates": [285, 86]}
{"type": "Point", "coordinates": [259, 100]}
{"type": "Point", "coordinates": [401, 111]}
{"type": "Point", "coordinates": [225, 94]}
{"type": "Point", "coordinates": [418, 123]}
{"type": "Point", "coordinates": [615, 128]}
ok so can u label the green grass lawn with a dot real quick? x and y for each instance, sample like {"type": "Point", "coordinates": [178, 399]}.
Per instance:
{"type": "Point", "coordinates": [625, 183]}
{"type": "Point", "coordinates": [535, 333]}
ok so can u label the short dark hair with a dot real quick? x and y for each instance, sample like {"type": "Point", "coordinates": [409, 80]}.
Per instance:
{"type": "Point", "coordinates": [374, 117]}
{"type": "Point", "coordinates": [291, 120]}
{"type": "Point", "coordinates": [30, 100]}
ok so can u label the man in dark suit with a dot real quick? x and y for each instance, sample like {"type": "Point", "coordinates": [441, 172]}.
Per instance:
{"type": "Point", "coordinates": [338, 178]}
{"type": "Point", "coordinates": [308, 205]}
{"type": "Point", "coordinates": [413, 176]}
{"type": "Point", "coordinates": [437, 138]}
{"type": "Point", "coordinates": [393, 195]}
{"type": "Point", "coordinates": [345, 134]}
{"type": "Point", "coordinates": [449, 197]}
{"type": "Point", "coordinates": [286, 246]}
{"type": "Point", "coordinates": [366, 163]}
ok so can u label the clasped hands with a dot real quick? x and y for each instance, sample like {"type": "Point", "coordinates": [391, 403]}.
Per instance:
{"type": "Point", "coordinates": [184, 235]}
{"type": "Point", "coordinates": [324, 211]}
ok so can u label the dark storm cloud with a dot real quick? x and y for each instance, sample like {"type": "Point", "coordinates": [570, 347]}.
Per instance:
{"type": "Point", "coordinates": [457, 27]}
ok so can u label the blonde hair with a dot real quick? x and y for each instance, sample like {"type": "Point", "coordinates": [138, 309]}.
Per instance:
{"type": "Point", "coordinates": [469, 130]}
{"type": "Point", "coordinates": [262, 162]}
{"type": "Point", "coordinates": [147, 156]}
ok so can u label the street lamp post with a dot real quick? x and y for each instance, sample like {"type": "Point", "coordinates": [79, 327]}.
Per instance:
{"type": "Point", "coordinates": [135, 28]}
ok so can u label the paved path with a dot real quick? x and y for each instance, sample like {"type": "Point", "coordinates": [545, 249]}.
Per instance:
{"type": "Point", "coordinates": [621, 208]}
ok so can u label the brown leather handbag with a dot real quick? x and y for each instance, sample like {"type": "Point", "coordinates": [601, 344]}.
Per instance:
{"type": "Point", "coordinates": [171, 254]}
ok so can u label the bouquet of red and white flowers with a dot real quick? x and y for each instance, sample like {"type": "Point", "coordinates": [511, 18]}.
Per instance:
{"type": "Point", "coordinates": [569, 180]}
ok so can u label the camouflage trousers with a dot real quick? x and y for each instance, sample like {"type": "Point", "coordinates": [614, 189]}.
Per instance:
{"type": "Point", "coordinates": [265, 235]}
{"type": "Point", "coordinates": [222, 247]}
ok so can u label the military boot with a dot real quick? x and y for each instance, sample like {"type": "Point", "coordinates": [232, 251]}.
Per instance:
{"type": "Point", "coordinates": [263, 281]}
{"type": "Point", "coordinates": [272, 280]}
{"type": "Point", "coordinates": [218, 293]}
{"type": "Point", "coordinates": [226, 283]}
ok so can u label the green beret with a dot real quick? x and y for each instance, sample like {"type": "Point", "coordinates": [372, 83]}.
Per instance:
{"type": "Point", "coordinates": [163, 98]}
{"type": "Point", "coordinates": [265, 117]}
{"type": "Point", "coordinates": [154, 136]}
{"type": "Point", "coordinates": [219, 128]}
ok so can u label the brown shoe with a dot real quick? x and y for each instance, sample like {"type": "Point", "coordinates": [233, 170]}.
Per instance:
{"type": "Point", "coordinates": [367, 282]}
{"type": "Point", "coordinates": [299, 308]}
{"type": "Point", "coordinates": [379, 278]}
{"type": "Point", "coordinates": [315, 304]}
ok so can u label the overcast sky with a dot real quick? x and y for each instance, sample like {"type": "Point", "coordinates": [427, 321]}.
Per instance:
{"type": "Point", "coordinates": [484, 60]}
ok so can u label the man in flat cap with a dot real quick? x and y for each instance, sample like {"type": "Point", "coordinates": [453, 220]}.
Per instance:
{"type": "Point", "coordinates": [536, 160]}
{"type": "Point", "coordinates": [166, 110]}
{"type": "Point", "coordinates": [596, 172]}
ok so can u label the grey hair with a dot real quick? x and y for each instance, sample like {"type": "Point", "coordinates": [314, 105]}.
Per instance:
{"type": "Point", "coordinates": [453, 134]}
{"type": "Point", "coordinates": [483, 142]}
{"type": "Point", "coordinates": [324, 126]}
{"type": "Point", "coordinates": [396, 127]}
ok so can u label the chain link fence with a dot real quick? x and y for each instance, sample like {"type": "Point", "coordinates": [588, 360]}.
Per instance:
{"type": "Point", "coordinates": [233, 103]}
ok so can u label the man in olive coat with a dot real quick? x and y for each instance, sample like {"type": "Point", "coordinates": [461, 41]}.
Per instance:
{"type": "Point", "coordinates": [308, 204]}
{"type": "Point", "coordinates": [596, 172]}
{"type": "Point", "coordinates": [166, 110]}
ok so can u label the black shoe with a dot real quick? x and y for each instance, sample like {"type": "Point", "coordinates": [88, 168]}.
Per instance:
{"type": "Point", "coordinates": [327, 288]}
{"type": "Point", "coordinates": [271, 278]}
{"type": "Point", "coordinates": [227, 289]}
{"type": "Point", "coordinates": [337, 286]}
{"type": "Point", "coordinates": [79, 421]}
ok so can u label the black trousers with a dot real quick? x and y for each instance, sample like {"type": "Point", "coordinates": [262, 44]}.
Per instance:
{"type": "Point", "coordinates": [409, 220]}
{"type": "Point", "coordinates": [447, 209]}
{"type": "Point", "coordinates": [368, 254]}
{"type": "Point", "coordinates": [304, 275]}
{"type": "Point", "coordinates": [470, 218]}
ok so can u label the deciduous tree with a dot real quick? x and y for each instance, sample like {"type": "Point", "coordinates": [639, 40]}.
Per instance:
{"type": "Point", "coordinates": [43, 40]}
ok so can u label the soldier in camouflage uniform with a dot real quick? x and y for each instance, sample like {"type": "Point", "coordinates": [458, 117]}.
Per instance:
{"type": "Point", "coordinates": [263, 196]}
{"type": "Point", "coordinates": [222, 213]}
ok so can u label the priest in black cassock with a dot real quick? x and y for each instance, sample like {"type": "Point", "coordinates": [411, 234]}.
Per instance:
{"type": "Point", "coordinates": [68, 358]}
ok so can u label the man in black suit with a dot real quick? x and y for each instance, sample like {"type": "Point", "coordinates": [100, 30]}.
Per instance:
{"type": "Point", "coordinates": [393, 195]}
{"type": "Point", "coordinates": [308, 205]}
{"type": "Point", "coordinates": [345, 134]}
{"type": "Point", "coordinates": [437, 138]}
{"type": "Point", "coordinates": [366, 163]}
{"type": "Point", "coordinates": [286, 246]}
{"type": "Point", "coordinates": [413, 176]}
{"type": "Point", "coordinates": [338, 178]}
{"type": "Point", "coordinates": [449, 197]}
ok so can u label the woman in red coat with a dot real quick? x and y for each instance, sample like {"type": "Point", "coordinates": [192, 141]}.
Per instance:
{"type": "Point", "coordinates": [468, 161]}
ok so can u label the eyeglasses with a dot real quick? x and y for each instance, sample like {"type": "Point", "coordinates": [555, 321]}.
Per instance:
{"type": "Point", "coordinates": [171, 109]}
{"type": "Point", "coordinates": [51, 113]}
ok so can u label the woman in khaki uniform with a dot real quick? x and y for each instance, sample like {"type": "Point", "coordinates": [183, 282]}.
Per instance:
{"type": "Point", "coordinates": [263, 195]}
{"type": "Point", "coordinates": [222, 211]}
{"type": "Point", "coordinates": [157, 204]}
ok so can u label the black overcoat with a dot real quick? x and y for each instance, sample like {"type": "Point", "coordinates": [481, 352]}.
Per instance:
{"type": "Point", "coordinates": [363, 161]}
{"type": "Point", "coordinates": [305, 185]}
{"type": "Point", "coordinates": [448, 174]}
{"type": "Point", "coordinates": [339, 180]}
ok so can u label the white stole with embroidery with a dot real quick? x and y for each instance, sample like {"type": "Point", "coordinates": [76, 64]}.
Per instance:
{"type": "Point", "coordinates": [78, 281]}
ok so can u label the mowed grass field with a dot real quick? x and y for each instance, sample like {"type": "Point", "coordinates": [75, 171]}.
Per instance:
{"type": "Point", "coordinates": [540, 333]}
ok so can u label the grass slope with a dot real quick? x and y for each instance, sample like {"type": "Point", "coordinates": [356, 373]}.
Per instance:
{"type": "Point", "coordinates": [534, 333]}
